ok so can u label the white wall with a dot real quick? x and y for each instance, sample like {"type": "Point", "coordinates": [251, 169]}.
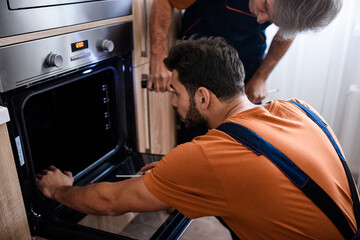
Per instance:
{"type": "Point", "coordinates": [323, 69]}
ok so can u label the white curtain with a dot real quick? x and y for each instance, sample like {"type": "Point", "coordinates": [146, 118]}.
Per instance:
{"type": "Point", "coordinates": [323, 69]}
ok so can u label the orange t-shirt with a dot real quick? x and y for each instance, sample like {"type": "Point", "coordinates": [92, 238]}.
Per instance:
{"type": "Point", "coordinates": [182, 4]}
{"type": "Point", "coordinates": [214, 175]}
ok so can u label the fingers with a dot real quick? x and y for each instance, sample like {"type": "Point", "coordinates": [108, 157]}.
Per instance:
{"type": "Point", "coordinates": [150, 84]}
{"type": "Point", "coordinates": [69, 174]}
{"type": "Point", "coordinates": [164, 83]}
{"type": "Point", "coordinates": [160, 77]}
{"type": "Point", "coordinates": [259, 98]}
{"type": "Point", "coordinates": [256, 97]}
{"type": "Point", "coordinates": [148, 166]}
{"type": "Point", "coordinates": [145, 168]}
{"type": "Point", "coordinates": [256, 100]}
{"type": "Point", "coordinates": [158, 84]}
{"type": "Point", "coordinates": [168, 87]}
{"type": "Point", "coordinates": [46, 171]}
{"type": "Point", "coordinates": [52, 168]}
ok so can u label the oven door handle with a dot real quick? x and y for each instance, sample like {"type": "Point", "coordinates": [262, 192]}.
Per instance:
{"type": "Point", "coordinates": [145, 53]}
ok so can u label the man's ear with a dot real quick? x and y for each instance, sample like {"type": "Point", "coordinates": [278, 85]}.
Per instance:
{"type": "Point", "coordinates": [202, 97]}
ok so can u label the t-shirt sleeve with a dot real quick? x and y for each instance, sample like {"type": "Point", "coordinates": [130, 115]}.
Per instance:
{"type": "Point", "coordinates": [184, 180]}
{"type": "Point", "coordinates": [182, 4]}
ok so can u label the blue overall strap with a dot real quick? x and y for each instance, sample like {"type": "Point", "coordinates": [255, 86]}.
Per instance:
{"type": "Point", "coordinates": [323, 126]}
{"type": "Point", "coordinates": [310, 188]}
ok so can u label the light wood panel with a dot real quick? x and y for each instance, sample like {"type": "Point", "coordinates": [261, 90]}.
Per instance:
{"type": "Point", "coordinates": [141, 108]}
{"type": "Point", "coordinates": [162, 123]}
{"type": "Point", "coordinates": [13, 221]}
{"type": "Point", "coordinates": [141, 13]}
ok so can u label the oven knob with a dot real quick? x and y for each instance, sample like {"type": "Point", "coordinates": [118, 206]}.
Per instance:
{"type": "Point", "coordinates": [107, 45]}
{"type": "Point", "coordinates": [54, 60]}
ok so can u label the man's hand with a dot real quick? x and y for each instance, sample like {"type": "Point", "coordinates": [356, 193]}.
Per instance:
{"type": "Point", "coordinates": [149, 166]}
{"type": "Point", "coordinates": [256, 89]}
{"type": "Point", "coordinates": [51, 180]}
{"type": "Point", "coordinates": [160, 76]}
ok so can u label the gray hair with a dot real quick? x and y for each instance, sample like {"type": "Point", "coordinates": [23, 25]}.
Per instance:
{"type": "Point", "coordinates": [293, 16]}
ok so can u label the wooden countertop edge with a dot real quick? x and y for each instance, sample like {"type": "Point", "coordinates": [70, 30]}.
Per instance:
{"type": "Point", "coordinates": [4, 115]}
{"type": "Point", "coordinates": [59, 31]}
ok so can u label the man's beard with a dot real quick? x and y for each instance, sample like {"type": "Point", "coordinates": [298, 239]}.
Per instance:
{"type": "Point", "coordinates": [194, 119]}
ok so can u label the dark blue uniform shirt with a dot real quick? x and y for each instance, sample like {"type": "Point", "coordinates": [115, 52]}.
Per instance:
{"type": "Point", "coordinates": [232, 20]}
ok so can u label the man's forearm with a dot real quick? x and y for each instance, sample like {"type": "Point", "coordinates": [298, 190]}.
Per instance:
{"type": "Point", "coordinates": [160, 20]}
{"type": "Point", "coordinates": [256, 87]}
{"type": "Point", "coordinates": [107, 198]}
{"type": "Point", "coordinates": [91, 199]}
{"type": "Point", "coordinates": [277, 50]}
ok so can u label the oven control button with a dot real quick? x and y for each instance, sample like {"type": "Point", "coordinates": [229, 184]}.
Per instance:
{"type": "Point", "coordinates": [54, 60]}
{"type": "Point", "coordinates": [107, 45]}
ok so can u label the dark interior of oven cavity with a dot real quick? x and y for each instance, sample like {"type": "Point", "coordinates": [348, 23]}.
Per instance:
{"type": "Point", "coordinates": [75, 125]}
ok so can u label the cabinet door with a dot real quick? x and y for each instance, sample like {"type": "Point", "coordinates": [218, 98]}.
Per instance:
{"type": "Point", "coordinates": [141, 13]}
{"type": "Point", "coordinates": [162, 123]}
{"type": "Point", "coordinates": [155, 117]}
{"type": "Point", "coordinates": [13, 221]}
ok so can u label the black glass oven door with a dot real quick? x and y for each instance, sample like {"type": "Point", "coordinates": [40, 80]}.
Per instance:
{"type": "Point", "coordinates": [77, 122]}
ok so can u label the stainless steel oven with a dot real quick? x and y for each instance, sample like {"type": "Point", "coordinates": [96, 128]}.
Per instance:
{"type": "Point", "coordinates": [25, 16]}
{"type": "Point", "coordinates": [71, 103]}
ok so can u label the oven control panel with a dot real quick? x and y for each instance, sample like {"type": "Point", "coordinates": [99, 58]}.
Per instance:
{"type": "Point", "coordinates": [25, 63]}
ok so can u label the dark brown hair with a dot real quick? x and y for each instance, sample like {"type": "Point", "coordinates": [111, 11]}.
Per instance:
{"type": "Point", "coordinates": [210, 63]}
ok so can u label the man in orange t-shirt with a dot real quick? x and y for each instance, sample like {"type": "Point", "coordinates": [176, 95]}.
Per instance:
{"type": "Point", "coordinates": [214, 175]}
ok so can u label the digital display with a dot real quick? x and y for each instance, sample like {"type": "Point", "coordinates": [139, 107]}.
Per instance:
{"type": "Point", "coordinates": [79, 45]}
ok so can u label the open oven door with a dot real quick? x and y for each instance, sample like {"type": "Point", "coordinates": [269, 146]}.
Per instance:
{"type": "Point", "coordinates": [66, 223]}
{"type": "Point", "coordinates": [172, 228]}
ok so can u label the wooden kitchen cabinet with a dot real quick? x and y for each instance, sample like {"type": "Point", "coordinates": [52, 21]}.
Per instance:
{"type": "Point", "coordinates": [13, 221]}
{"type": "Point", "coordinates": [155, 118]}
